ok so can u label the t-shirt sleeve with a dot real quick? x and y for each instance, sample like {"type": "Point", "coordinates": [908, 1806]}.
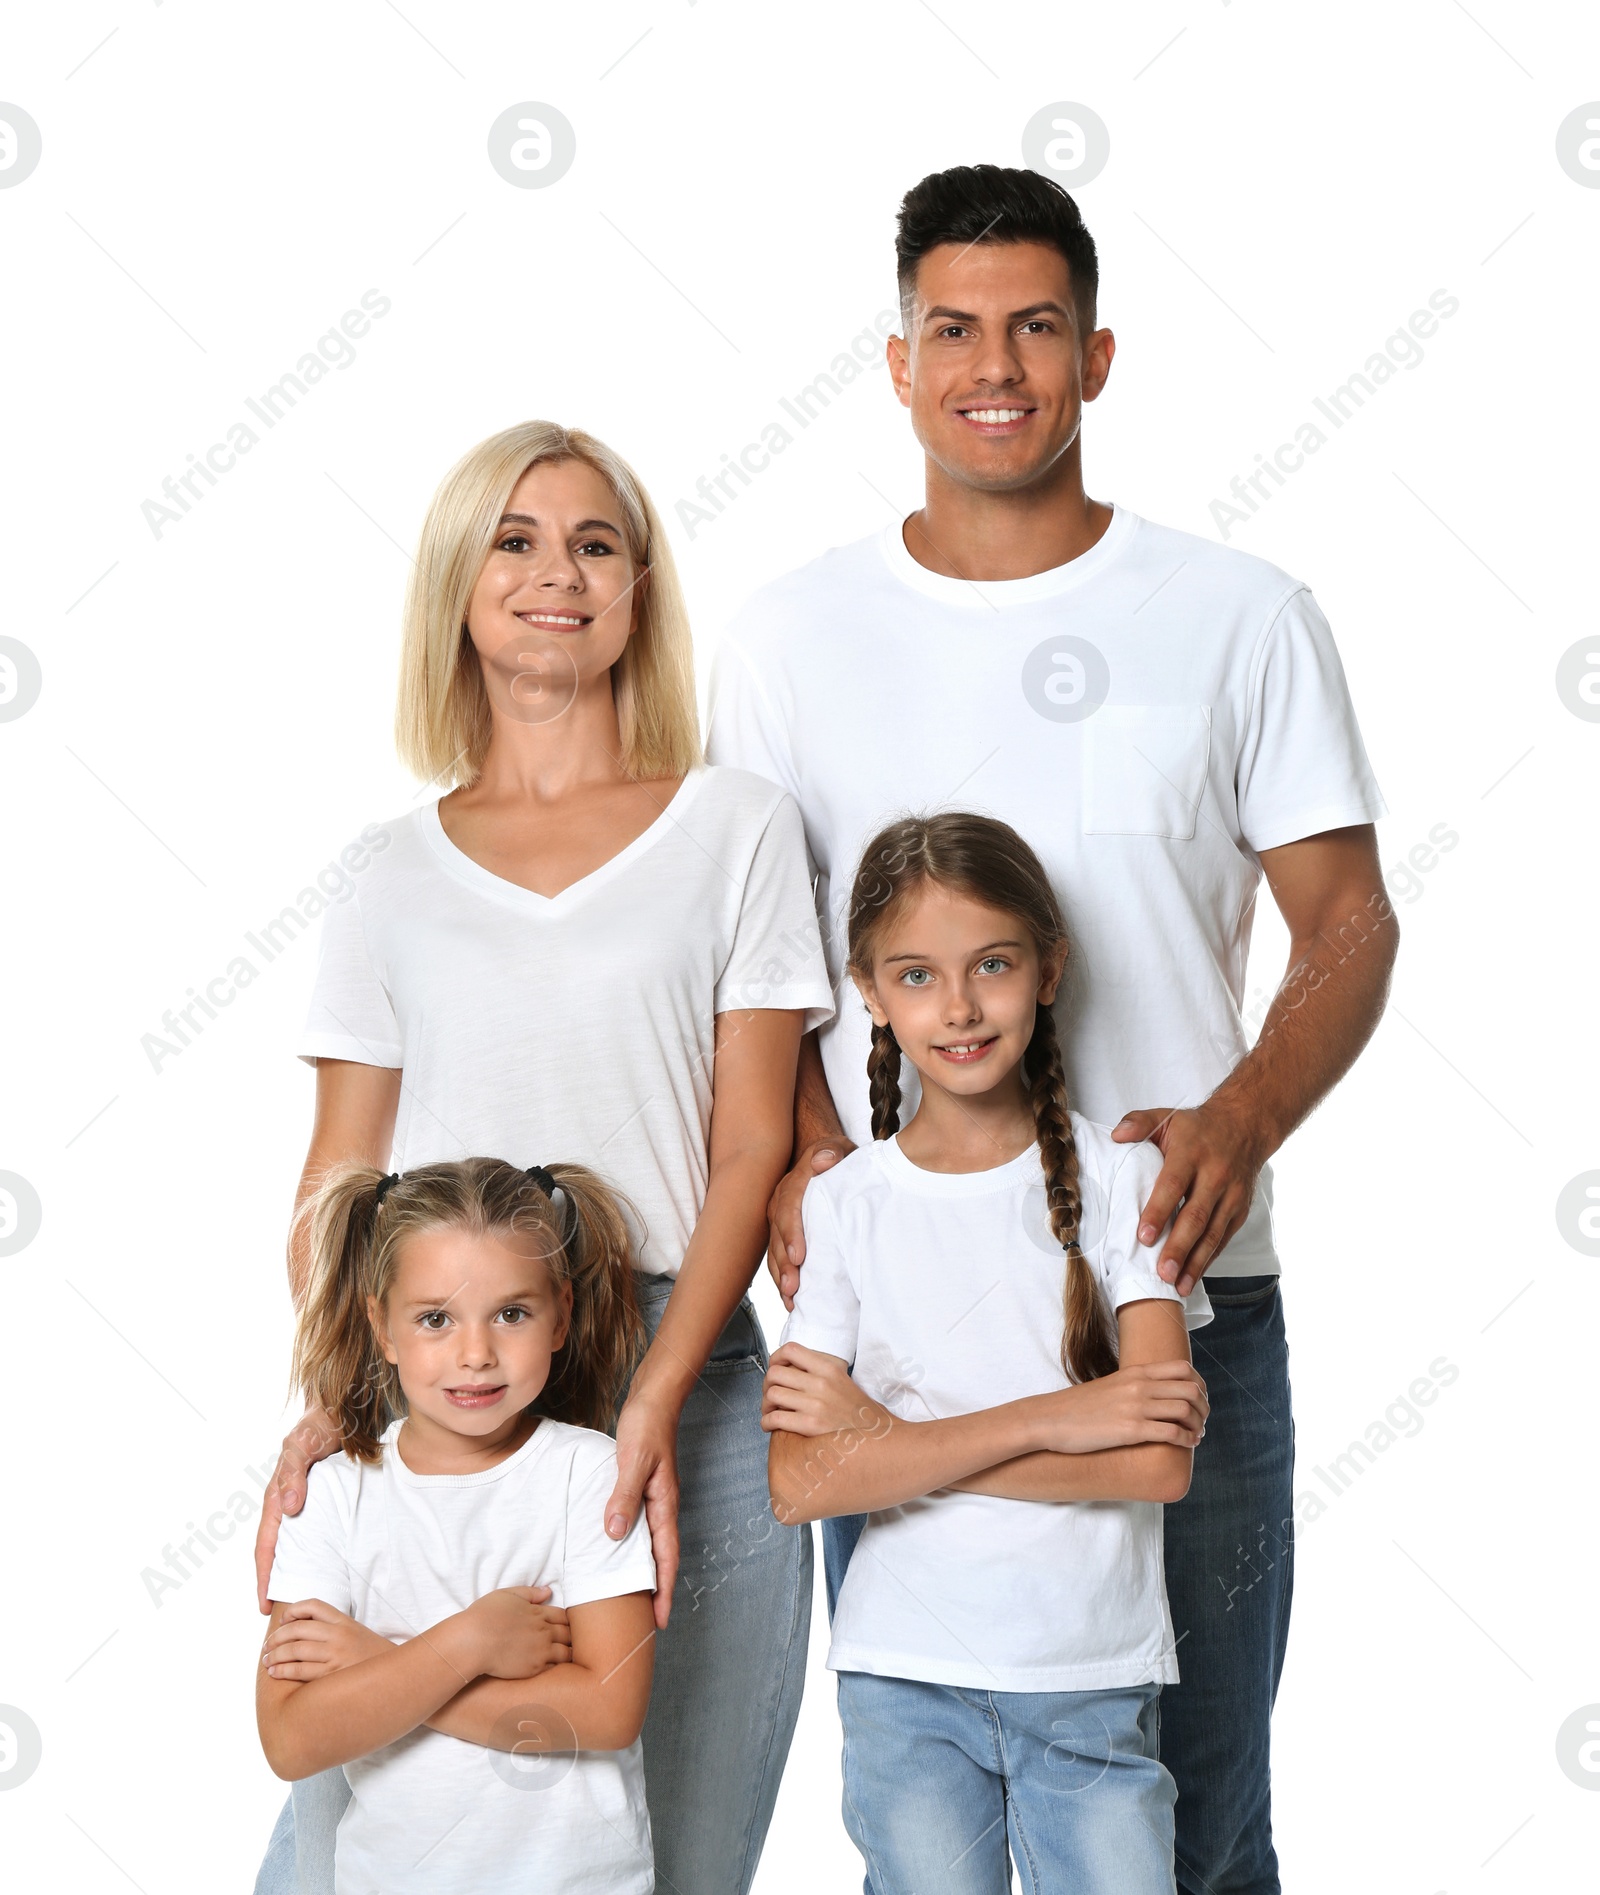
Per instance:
{"type": "Point", "coordinates": [743, 729]}
{"type": "Point", "coordinates": [776, 958]}
{"type": "Point", "coordinates": [351, 1016]}
{"type": "Point", "coordinates": [312, 1561]}
{"type": "Point", "coordinates": [827, 1306]}
{"type": "Point", "coordinates": [1127, 1267]}
{"type": "Point", "coordinates": [1302, 765]}
{"type": "Point", "coordinates": [596, 1566]}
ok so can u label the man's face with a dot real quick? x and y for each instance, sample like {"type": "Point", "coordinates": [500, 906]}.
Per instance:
{"type": "Point", "coordinates": [994, 368]}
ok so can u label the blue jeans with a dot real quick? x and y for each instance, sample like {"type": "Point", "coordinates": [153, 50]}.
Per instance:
{"type": "Point", "coordinates": [941, 1784]}
{"type": "Point", "coordinates": [729, 1668]}
{"type": "Point", "coordinates": [1230, 1576]}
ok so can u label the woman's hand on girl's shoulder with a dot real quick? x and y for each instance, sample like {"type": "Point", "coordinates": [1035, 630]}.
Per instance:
{"type": "Point", "coordinates": [647, 1476]}
{"type": "Point", "coordinates": [811, 1393]}
{"type": "Point", "coordinates": [312, 1438]}
{"type": "Point", "coordinates": [1154, 1401]}
{"type": "Point", "coordinates": [313, 1639]}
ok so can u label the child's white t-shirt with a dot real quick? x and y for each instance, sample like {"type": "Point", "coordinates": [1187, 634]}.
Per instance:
{"type": "Point", "coordinates": [399, 1552]}
{"type": "Point", "coordinates": [944, 1292]}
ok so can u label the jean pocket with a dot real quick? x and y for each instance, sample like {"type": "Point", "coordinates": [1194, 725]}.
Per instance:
{"type": "Point", "coordinates": [1240, 1292]}
{"type": "Point", "coordinates": [740, 1344]}
{"type": "Point", "coordinates": [1145, 769]}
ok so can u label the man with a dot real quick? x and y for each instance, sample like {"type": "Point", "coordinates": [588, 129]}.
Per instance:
{"type": "Point", "coordinates": [1166, 721]}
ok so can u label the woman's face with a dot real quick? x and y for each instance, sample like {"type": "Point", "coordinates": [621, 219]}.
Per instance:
{"type": "Point", "coordinates": [554, 605]}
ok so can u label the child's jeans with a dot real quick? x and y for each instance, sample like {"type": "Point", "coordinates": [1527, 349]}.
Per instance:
{"type": "Point", "coordinates": [939, 1780]}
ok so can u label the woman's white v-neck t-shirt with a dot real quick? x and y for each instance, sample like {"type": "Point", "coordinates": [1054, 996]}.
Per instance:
{"type": "Point", "coordinates": [579, 1027]}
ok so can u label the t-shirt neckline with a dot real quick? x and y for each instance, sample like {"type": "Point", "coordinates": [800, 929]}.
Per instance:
{"type": "Point", "coordinates": [901, 1172]}
{"type": "Point", "coordinates": [992, 595]}
{"type": "Point", "coordinates": [459, 864]}
{"type": "Point", "coordinates": [394, 1461]}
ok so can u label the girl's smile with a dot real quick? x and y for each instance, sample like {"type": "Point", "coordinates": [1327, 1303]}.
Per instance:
{"type": "Point", "coordinates": [472, 1322]}
{"type": "Point", "coordinates": [968, 1051]}
{"type": "Point", "coordinates": [484, 1397]}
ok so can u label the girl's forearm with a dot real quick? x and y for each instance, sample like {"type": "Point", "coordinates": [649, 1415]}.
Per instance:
{"type": "Point", "coordinates": [352, 1712]}
{"type": "Point", "coordinates": [862, 1470]}
{"type": "Point", "coordinates": [1151, 1472]}
{"type": "Point", "coordinates": [566, 1706]}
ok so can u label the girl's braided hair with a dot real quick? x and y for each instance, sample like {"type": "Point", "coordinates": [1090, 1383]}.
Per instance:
{"type": "Point", "coordinates": [989, 862]}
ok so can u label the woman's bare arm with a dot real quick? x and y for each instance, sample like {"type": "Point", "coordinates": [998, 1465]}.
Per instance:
{"type": "Point", "coordinates": [354, 1124]}
{"type": "Point", "coordinates": [751, 1129]}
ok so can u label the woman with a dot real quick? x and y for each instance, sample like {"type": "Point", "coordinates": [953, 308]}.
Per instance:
{"type": "Point", "coordinates": [593, 945]}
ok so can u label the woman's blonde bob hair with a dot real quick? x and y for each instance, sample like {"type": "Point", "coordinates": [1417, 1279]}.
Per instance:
{"type": "Point", "coordinates": [442, 720]}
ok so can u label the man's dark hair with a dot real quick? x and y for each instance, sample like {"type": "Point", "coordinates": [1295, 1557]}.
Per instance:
{"type": "Point", "coordinates": [990, 203]}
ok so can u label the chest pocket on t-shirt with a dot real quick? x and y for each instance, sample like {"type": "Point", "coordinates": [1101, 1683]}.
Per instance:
{"type": "Point", "coordinates": [1145, 769]}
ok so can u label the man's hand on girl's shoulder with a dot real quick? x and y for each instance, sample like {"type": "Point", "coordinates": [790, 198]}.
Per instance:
{"type": "Point", "coordinates": [1212, 1158]}
{"type": "Point", "coordinates": [312, 1438]}
{"type": "Point", "coordinates": [786, 1251]}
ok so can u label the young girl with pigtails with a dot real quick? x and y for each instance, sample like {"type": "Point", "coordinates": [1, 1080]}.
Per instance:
{"type": "Point", "coordinates": [984, 1360]}
{"type": "Point", "coordinates": [450, 1620]}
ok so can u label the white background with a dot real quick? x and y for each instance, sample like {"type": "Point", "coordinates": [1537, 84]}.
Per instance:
{"type": "Point", "coordinates": [1285, 186]}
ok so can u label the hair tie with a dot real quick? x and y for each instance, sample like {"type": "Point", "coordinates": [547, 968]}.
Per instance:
{"type": "Point", "coordinates": [386, 1185]}
{"type": "Point", "coordinates": [561, 1202]}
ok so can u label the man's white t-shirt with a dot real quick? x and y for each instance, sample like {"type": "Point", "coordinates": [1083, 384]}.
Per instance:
{"type": "Point", "coordinates": [432, 1814]}
{"type": "Point", "coordinates": [944, 1292]}
{"type": "Point", "coordinates": [578, 1027]}
{"type": "Point", "coordinates": [1149, 717]}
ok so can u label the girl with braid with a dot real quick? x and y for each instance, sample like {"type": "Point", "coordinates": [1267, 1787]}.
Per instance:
{"type": "Point", "coordinates": [984, 1360]}
{"type": "Point", "coordinates": [450, 1621]}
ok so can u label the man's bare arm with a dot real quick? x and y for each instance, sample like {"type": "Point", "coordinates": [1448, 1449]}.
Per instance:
{"type": "Point", "coordinates": [819, 1143]}
{"type": "Point", "coordinates": [1344, 936]}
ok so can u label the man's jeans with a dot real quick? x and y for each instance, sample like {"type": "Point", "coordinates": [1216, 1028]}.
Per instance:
{"type": "Point", "coordinates": [1230, 1575]}
{"type": "Point", "coordinates": [940, 1783]}
{"type": "Point", "coordinates": [729, 1668]}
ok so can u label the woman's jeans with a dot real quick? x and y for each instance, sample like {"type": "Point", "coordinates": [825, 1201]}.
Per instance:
{"type": "Point", "coordinates": [942, 1784]}
{"type": "Point", "coordinates": [729, 1669]}
{"type": "Point", "coordinates": [1230, 1576]}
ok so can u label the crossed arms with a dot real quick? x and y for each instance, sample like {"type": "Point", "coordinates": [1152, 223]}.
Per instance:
{"type": "Point", "coordinates": [330, 1690]}
{"type": "Point", "coordinates": [1127, 1436]}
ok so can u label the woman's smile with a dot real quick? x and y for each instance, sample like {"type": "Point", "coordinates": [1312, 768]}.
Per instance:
{"type": "Point", "coordinates": [557, 621]}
